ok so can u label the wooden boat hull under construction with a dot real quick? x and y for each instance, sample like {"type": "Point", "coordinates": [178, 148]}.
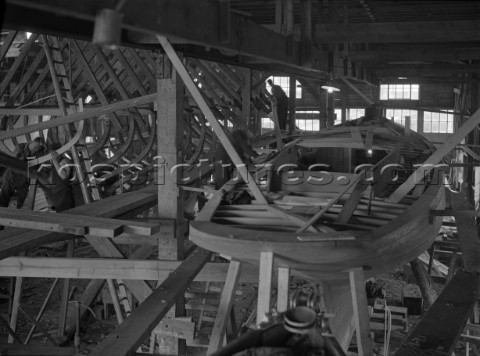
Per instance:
{"type": "Point", "coordinates": [327, 256]}
{"type": "Point", "coordinates": [320, 231]}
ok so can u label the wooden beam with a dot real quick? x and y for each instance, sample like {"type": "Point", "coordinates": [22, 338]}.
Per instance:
{"type": "Point", "coordinates": [434, 159]}
{"type": "Point", "coordinates": [467, 232]}
{"type": "Point", "coordinates": [217, 128]}
{"type": "Point", "coordinates": [441, 326]}
{"type": "Point", "coordinates": [408, 54]}
{"type": "Point", "coordinates": [104, 268]}
{"type": "Point", "coordinates": [76, 20]}
{"type": "Point", "coordinates": [283, 289]}
{"type": "Point", "coordinates": [264, 285]}
{"type": "Point", "coordinates": [360, 310]}
{"type": "Point", "coordinates": [125, 340]}
{"type": "Point", "coordinates": [356, 90]}
{"type": "Point", "coordinates": [225, 307]}
{"type": "Point", "coordinates": [121, 105]}
{"type": "Point", "coordinates": [400, 32]}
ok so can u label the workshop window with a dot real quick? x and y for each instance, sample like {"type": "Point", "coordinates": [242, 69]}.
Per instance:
{"type": "Point", "coordinates": [398, 116]}
{"type": "Point", "coordinates": [438, 122]}
{"type": "Point", "coordinates": [399, 91]}
{"type": "Point", "coordinates": [355, 113]}
{"type": "Point", "coordinates": [308, 120]}
{"type": "Point", "coordinates": [267, 124]}
{"type": "Point", "coordinates": [284, 82]}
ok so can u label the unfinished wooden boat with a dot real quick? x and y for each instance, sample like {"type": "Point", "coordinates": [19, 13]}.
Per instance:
{"type": "Point", "coordinates": [321, 224]}
{"type": "Point", "coordinates": [356, 224]}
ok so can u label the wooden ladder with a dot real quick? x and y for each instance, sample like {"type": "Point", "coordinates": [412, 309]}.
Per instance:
{"type": "Point", "coordinates": [63, 91]}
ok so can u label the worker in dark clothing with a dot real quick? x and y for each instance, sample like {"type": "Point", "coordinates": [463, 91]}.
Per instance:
{"type": "Point", "coordinates": [281, 100]}
{"type": "Point", "coordinates": [14, 182]}
{"type": "Point", "coordinates": [241, 140]}
{"type": "Point", "coordinates": [59, 191]}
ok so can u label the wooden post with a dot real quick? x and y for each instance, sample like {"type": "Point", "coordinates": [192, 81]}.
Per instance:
{"type": "Point", "coordinates": [283, 289]}
{"type": "Point", "coordinates": [225, 307]}
{"type": "Point", "coordinates": [17, 295]}
{"type": "Point", "coordinates": [65, 294]}
{"type": "Point", "coordinates": [170, 92]}
{"type": "Point", "coordinates": [246, 94]}
{"type": "Point", "coordinates": [360, 310]}
{"type": "Point", "coordinates": [292, 96]}
{"type": "Point", "coordinates": [424, 282]}
{"type": "Point", "coordinates": [264, 285]}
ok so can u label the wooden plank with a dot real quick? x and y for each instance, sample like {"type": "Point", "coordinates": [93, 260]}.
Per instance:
{"type": "Point", "coordinates": [225, 307]}
{"type": "Point", "coordinates": [399, 32]}
{"type": "Point", "coordinates": [356, 90]}
{"type": "Point", "coordinates": [36, 350]}
{"type": "Point", "coordinates": [264, 285]}
{"type": "Point", "coordinates": [99, 268]}
{"type": "Point", "coordinates": [352, 202]}
{"type": "Point", "coordinates": [441, 326]}
{"type": "Point", "coordinates": [283, 289]}
{"type": "Point", "coordinates": [329, 205]}
{"type": "Point", "coordinates": [103, 110]}
{"type": "Point", "coordinates": [217, 128]}
{"type": "Point", "coordinates": [132, 332]}
{"type": "Point", "coordinates": [467, 232]}
{"type": "Point", "coordinates": [435, 158]}
{"type": "Point", "coordinates": [360, 310]}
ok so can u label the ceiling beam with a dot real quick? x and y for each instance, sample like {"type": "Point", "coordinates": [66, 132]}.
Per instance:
{"type": "Point", "coordinates": [182, 21]}
{"type": "Point", "coordinates": [400, 32]}
{"type": "Point", "coordinates": [406, 54]}
{"type": "Point", "coordinates": [441, 69]}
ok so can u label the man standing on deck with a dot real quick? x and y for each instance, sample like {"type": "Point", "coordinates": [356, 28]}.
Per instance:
{"type": "Point", "coordinates": [281, 99]}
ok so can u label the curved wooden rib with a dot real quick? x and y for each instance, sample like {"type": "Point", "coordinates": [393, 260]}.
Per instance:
{"type": "Point", "coordinates": [103, 139]}
{"type": "Point", "coordinates": [138, 158]}
{"type": "Point", "coordinates": [199, 151]}
{"type": "Point", "coordinates": [62, 149]}
{"type": "Point", "coordinates": [121, 151]}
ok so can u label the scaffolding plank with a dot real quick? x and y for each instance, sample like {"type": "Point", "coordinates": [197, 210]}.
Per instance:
{"type": "Point", "coordinates": [440, 328]}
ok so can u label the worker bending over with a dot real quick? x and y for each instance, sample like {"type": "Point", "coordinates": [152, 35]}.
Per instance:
{"type": "Point", "coordinates": [58, 189]}
{"type": "Point", "coordinates": [15, 182]}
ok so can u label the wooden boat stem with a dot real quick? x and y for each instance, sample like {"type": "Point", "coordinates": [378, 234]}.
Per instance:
{"type": "Point", "coordinates": [318, 215]}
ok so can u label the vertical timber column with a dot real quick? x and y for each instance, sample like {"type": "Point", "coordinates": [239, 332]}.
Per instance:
{"type": "Point", "coordinates": [246, 95]}
{"type": "Point", "coordinates": [360, 311]}
{"type": "Point", "coordinates": [264, 285]}
{"type": "Point", "coordinates": [344, 99]}
{"type": "Point", "coordinates": [292, 97]}
{"type": "Point", "coordinates": [170, 91]}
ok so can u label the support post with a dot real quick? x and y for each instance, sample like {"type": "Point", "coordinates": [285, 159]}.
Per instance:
{"type": "Point", "coordinates": [264, 285]}
{"type": "Point", "coordinates": [246, 94]}
{"type": "Point", "coordinates": [360, 310]}
{"type": "Point", "coordinates": [225, 307]}
{"type": "Point", "coordinates": [170, 198]}
{"type": "Point", "coordinates": [283, 289]}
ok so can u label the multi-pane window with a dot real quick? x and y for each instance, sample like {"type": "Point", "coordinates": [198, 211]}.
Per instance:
{"type": "Point", "coordinates": [438, 122]}
{"type": "Point", "coordinates": [267, 124]}
{"type": "Point", "coordinates": [399, 91]}
{"type": "Point", "coordinates": [284, 82]}
{"type": "Point", "coordinates": [355, 113]}
{"type": "Point", "coordinates": [398, 116]}
{"type": "Point", "coordinates": [308, 124]}
{"type": "Point", "coordinates": [308, 120]}
{"type": "Point", "coordinates": [338, 116]}
{"type": "Point", "coordinates": [352, 114]}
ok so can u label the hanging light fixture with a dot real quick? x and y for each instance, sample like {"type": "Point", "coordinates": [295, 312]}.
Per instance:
{"type": "Point", "coordinates": [108, 28]}
{"type": "Point", "coordinates": [329, 88]}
